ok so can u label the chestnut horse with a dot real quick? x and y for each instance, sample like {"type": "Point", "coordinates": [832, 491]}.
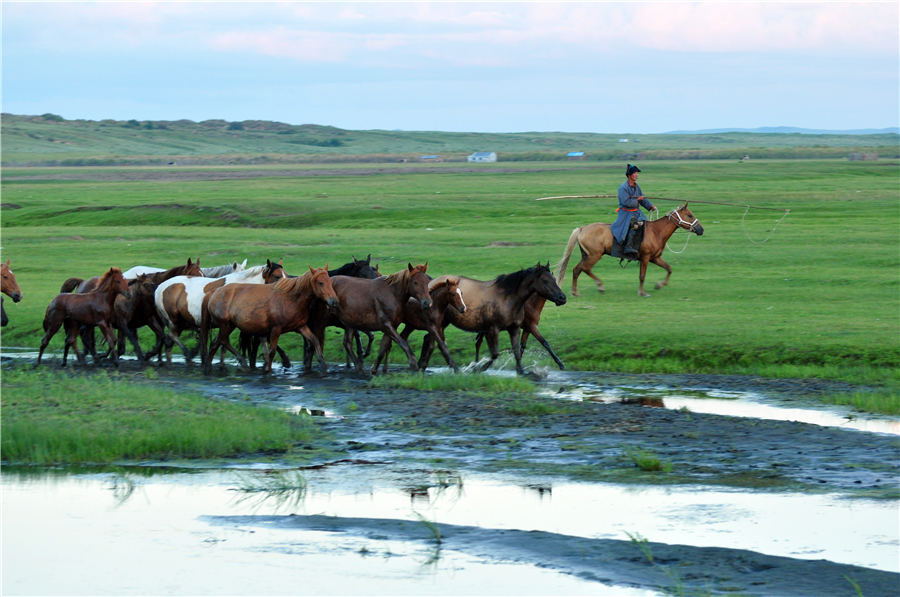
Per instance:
{"type": "Point", "coordinates": [596, 240]}
{"type": "Point", "coordinates": [445, 294]}
{"type": "Point", "coordinates": [179, 300]}
{"type": "Point", "coordinates": [377, 305]}
{"type": "Point", "coordinates": [94, 308]}
{"type": "Point", "coordinates": [266, 311]}
{"type": "Point", "coordinates": [499, 304]}
{"type": "Point", "coordinates": [10, 288]}
{"type": "Point", "coordinates": [533, 308]}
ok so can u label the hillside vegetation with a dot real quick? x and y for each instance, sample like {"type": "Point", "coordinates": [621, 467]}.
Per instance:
{"type": "Point", "coordinates": [51, 140]}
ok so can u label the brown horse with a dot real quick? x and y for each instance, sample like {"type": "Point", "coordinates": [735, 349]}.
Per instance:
{"type": "Point", "coordinates": [445, 294]}
{"type": "Point", "coordinates": [499, 304]}
{"type": "Point", "coordinates": [10, 288]}
{"type": "Point", "coordinates": [136, 308]}
{"type": "Point", "coordinates": [266, 311]}
{"type": "Point", "coordinates": [377, 305]}
{"type": "Point", "coordinates": [596, 240]}
{"type": "Point", "coordinates": [94, 308]}
{"type": "Point", "coordinates": [533, 308]}
{"type": "Point", "coordinates": [180, 300]}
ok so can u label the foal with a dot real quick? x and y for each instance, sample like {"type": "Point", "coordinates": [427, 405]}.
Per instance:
{"type": "Point", "coordinates": [94, 308]}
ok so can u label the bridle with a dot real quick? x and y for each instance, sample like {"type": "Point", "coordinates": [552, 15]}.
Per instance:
{"type": "Point", "coordinates": [681, 221]}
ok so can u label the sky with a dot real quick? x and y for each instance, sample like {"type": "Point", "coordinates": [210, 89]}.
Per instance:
{"type": "Point", "coordinates": [599, 67]}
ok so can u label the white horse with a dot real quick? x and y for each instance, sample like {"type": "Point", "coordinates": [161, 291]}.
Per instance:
{"type": "Point", "coordinates": [208, 272]}
{"type": "Point", "coordinates": [180, 300]}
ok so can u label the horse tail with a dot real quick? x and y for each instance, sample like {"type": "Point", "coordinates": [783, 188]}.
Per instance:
{"type": "Point", "coordinates": [564, 262]}
{"type": "Point", "coordinates": [70, 285]}
{"type": "Point", "coordinates": [245, 344]}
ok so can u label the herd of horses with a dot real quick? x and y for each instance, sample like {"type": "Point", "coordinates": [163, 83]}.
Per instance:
{"type": "Point", "coordinates": [264, 302]}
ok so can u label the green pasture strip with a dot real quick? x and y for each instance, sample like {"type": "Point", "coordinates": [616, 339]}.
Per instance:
{"type": "Point", "coordinates": [818, 296]}
{"type": "Point", "coordinates": [53, 417]}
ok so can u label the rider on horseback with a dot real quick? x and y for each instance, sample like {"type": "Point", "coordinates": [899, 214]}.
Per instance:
{"type": "Point", "coordinates": [630, 218]}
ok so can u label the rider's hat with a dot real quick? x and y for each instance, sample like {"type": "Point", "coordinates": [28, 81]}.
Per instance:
{"type": "Point", "coordinates": [631, 169]}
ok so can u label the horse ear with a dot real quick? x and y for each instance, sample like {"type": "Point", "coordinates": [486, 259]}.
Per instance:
{"type": "Point", "coordinates": [369, 258]}
{"type": "Point", "coordinates": [269, 263]}
{"type": "Point", "coordinates": [189, 261]}
{"type": "Point", "coordinates": [409, 265]}
{"type": "Point", "coordinates": [311, 268]}
{"type": "Point", "coordinates": [425, 268]}
{"type": "Point", "coordinates": [7, 263]}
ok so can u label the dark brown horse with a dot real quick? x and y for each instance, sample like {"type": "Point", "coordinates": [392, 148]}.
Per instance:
{"type": "Point", "coordinates": [445, 294]}
{"type": "Point", "coordinates": [266, 311]}
{"type": "Point", "coordinates": [94, 308]}
{"type": "Point", "coordinates": [533, 308]}
{"type": "Point", "coordinates": [596, 240]}
{"type": "Point", "coordinates": [499, 304]}
{"type": "Point", "coordinates": [377, 305]}
{"type": "Point", "coordinates": [10, 288]}
{"type": "Point", "coordinates": [136, 308]}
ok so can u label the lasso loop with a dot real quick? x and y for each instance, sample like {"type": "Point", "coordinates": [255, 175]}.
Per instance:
{"type": "Point", "coordinates": [771, 232]}
{"type": "Point", "coordinates": [655, 216]}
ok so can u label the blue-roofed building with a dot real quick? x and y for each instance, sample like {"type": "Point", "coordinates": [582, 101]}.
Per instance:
{"type": "Point", "coordinates": [575, 155]}
{"type": "Point", "coordinates": [430, 158]}
{"type": "Point", "coordinates": [483, 156]}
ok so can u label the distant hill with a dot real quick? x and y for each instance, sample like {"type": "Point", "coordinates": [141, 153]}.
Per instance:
{"type": "Point", "coordinates": [792, 129]}
{"type": "Point", "coordinates": [50, 139]}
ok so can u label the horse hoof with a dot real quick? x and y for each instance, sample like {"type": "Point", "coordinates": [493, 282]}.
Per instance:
{"type": "Point", "coordinates": [644, 295]}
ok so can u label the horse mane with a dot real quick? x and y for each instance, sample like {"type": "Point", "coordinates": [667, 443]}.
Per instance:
{"type": "Point", "coordinates": [294, 285]}
{"type": "Point", "coordinates": [106, 280]}
{"type": "Point", "coordinates": [397, 278]}
{"type": "Point", "coordinates": [440, 283]}
{"type": "Point", "coordinates": [509, 283]}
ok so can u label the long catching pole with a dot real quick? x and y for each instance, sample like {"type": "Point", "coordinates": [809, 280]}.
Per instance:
{"type": "Point", "coordinates": [667, 199]}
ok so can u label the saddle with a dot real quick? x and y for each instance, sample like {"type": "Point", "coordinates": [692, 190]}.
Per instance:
{"type": "Point", "coordinates": [636, 234]}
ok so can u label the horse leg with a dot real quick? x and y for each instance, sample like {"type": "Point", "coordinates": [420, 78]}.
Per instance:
{"type": "Point", "coordinates": [383, 351]}
{"type": "Point", "coordinates": [534, 332]}
{"type": "Point", "coordinates": [310, 337]}
{"type": "Point", "coordinates": [442, 345]}
{"type": "Point", "coordinates": [492, 337]}
{"type": "Point", "coordinates": [274, 334]}
{"type": "Point", "coordinates": [661, 263]}
{"type": "Point", "coordinates": [72, 329]}
{"type": "Point", "coordinates": [427, 350]}
{"type": "Point", "coordinates": [643, 275]}
{"type": "Point", "coordinates": [515, 340]}
{"type": "Point", "coordinates": [225, 330]}
{"type": "Point", "coordinates": [52, 326]}
{"type": "Point", "coordinates": [110, 340]}
{"type": "Point", "coordinates": [587, 265]}
{"type": "Point", "coordinates": [392, 335]}
{"type": "Point", "coordinates": [348, 349]}
{"type": "Point", "coordinates": [478, 340]}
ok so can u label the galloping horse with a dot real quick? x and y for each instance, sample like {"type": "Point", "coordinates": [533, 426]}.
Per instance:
{"type": "Point", "coordinates": [596, 240]}
{"type": "Point", "coordinates": [179, 300]}
{"type": "Point", "coordinates": [266, 311]}
{"type": "Point", "coordinates": [10, 288]}
{"type": "Point", "coordinates": [445, 294]}
{"type": "Point", "coordinates": [377, 305]}
{"type": "Point", "coordinates": [94, 308]}
{"type": "Point", "coordinates": [533, 308]}
{"type": "Point", "coordinates": [499, 304]}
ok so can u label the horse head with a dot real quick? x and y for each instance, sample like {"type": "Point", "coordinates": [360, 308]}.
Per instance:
{"type": "Point", "coordinates": [273, 271]}
{"type": "Point", "coordinates": [8, 284]}
{"type": "Point", "coordinates": [191, 269]}
{"type": "Point", "coordinates": [113, 281]}
{"type": "Point", "coordinates": [321, 285]}
{"type": "Point", "coordinates": [545, 285]}
{"type": "Point", "coordinates": [456, 297]}
{"type": "Point", "coordinates": [683, 218]}
{"type": "Point", "coordinates": [417, 284]}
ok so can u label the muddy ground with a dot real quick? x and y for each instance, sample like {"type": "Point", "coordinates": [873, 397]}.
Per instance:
{"type": "Point", "coordinates": [547, 439]}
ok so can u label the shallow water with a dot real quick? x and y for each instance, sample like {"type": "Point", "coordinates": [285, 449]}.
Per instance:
{"type": "Point", "coordinates": [131, 534]}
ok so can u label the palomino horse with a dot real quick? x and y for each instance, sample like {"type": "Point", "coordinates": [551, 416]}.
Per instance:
{"type": "Point", "coordinates": [9, 287]}
{"type": "Point", "coordinates": [377, 305]}
{"type": "Point", "coordinates": [533, 308]}
{"type": "Point", "coordinates": [180, 300]}
{"type": "Point", "coordinates": [596, 240]}
{"type": "Point", "coordinates": [216, 271]}
{"type": "Point", "coordinates": [497, 305]}
{"type": "Point", "coordinates": [266, 311]}
{"type": "Point", "coordinates": [94, 308]}
{"type": "Point", "coordinates": [445, 294]}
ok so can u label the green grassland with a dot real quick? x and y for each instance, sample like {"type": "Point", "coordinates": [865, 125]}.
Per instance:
{"type": "Point", "coordinates": [819, 296]}
{"type": "Point", "coordinates": [52, 140]}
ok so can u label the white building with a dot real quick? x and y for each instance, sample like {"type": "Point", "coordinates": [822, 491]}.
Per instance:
{"type": "Point", "coordinates": [483, 156]}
